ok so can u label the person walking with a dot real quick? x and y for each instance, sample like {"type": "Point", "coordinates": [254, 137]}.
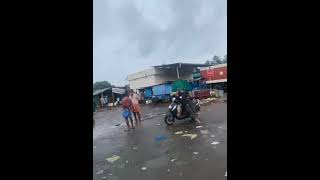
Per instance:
{"type": "Point", "coordinates": [135, 107]}
{"type": "Point", "coordinates": [126, 111]}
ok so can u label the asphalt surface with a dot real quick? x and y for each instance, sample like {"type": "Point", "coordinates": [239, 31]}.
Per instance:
{"type": "Point", "coordinates": [164, 154]}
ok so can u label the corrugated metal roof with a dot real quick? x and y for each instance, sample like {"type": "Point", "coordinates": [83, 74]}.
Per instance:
{"type": "Point", "coordinates": [99, 91]}
{"type": "Point", "coordinates": [175, 65]}
{"type": "Point", "coordinates": [114, 90]}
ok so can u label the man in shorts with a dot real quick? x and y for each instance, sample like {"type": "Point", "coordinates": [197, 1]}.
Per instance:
{"type": "Point", "coordinates": [135, 107]}
{"type": "Point", "coordinates": [126, 111]}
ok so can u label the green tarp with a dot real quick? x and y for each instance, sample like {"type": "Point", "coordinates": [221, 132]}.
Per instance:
{"type": "Point", "coordinates": [180, 85]}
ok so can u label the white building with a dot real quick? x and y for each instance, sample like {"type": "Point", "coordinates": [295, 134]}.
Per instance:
{"type": "Point", "coordinates": [160, 74]}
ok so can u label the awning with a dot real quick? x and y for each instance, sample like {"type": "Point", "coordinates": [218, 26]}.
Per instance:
{"type": "Point", "coordinates": [114, 90]}
{"type": "Point", "coordinates": [99, 91]}
{"type": "Point", "coordinates": [118, 91]}
{"type": "Point", "coordinates": [181, 65]}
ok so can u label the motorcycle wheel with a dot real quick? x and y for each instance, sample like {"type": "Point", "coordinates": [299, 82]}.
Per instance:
{"type": "Point", "coordinates": [168, 119]}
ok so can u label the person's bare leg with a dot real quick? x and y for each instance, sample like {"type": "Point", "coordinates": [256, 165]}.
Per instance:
{"type": "Point", "coordinates": [127, 122]}
{"type": "Point", "coordinates": [135, 117]}
{"type": "Point", "coordinates": [131, 120]}
{"type": "Point", "coordinates": [139, 117]}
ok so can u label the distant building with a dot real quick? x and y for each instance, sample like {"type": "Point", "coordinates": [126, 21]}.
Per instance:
{"type": "Point", "coordinates": [215, 75]}
{"type": "Point", "coordinates": [163, 73]}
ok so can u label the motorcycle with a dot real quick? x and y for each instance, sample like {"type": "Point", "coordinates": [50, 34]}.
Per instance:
{"type": "Point", "coordinates": [172, 114]}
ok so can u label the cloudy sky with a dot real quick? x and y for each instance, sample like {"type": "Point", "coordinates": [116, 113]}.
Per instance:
{"type": "Point", "coordinates": [132, 35]}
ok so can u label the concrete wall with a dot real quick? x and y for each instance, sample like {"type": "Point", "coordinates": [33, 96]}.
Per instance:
{"type": "Point", "coordinates": [141, 74]}
{"type": "Point", "coordinates": [153, 76]}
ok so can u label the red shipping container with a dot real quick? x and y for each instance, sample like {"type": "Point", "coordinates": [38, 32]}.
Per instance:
{"type": "Point", "coordinates": [214, 73]}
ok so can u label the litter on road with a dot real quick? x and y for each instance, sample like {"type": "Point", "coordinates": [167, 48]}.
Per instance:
{"type": "Point", "coordinates": [144, 168]}
{"type": "Point", "coordinates": [213, 136]}
{"type": "Point", "coordinates": [215, 143]}
{"type": "Point", "coordinates": [158, 124]}
{"type": "Point", "coordinates": [179, 132]}
{"type": "Point", "coordinates": [127, 162]}
{"type": "Point", "coordinates": [135, 148]}
{"type": "Point", "coordinates": [199, 127]}
{"type": "Point", "coordinates": [118, 124]}
{"type": "Point", "coordinates": [225, 174]}
{"type": "Point", "coordinates": [172, 160]}
{"type": "Point", "coordinates": [99, 172]}
{"type": "Point", "coordinates": [204, 132]}
{"type": "Point", "coordinates": [192, 136]}
{"type": "Point", "coordinates": [160, 138]}
{"type": "Point", "coordinates": [195, 153]}
{"type": "Point", "coordinates": [94, 147]}
{"type": "Point", "coordinates": [113, 158]}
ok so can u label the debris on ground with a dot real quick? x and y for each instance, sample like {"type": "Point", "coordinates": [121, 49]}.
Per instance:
{"type": "Point", "coordinates": [127, 162]}
{"type": "Point", "coordinates": [204, 132]}
{"type": "Point", "coordinates": [215, 143]}
{"type": "Point", "coordinates": [172, 160]}
{"type": "Point", "coordinates": [104, 177]}
{"type": "Point", "coordinates": [168, 170]}
{"type": "Point", "coordinates": [195, 153]}
{"type": "Point", "coordinates": [110, 174]}
{"type": "Point", "coordinates": [113, 158]}
{"type": "Point", "coordinates": [135, 148]}
{"type": "Point", "coordinates": [118, 124]}
{"type": "Point", "coordinates": [185, 131]}
{"type": "Point", "coordinates": [225, 174]}
{"type": "Point", "coordinates": [192, 136]}
{"type": "Point", "coordinates": [99, 172]}
{"type": "Point", "coordinates": [206, 101]}
{"type": "Point", "coordinates": [179, 132]}
{"type": "Point", "coordinates": [199, 127]}
{"type": "Point", "coordinates": [213, 135]}
{"type": "Point", "coordinates": [144, 168]}
{"type": "Point", "coordinates": [160, 138]}
{"type": "Point", "coordinates": [94, 147]}
{"type": "Point", "coordinates": [206, 159]}
{"type": "Point", "coordinates": [158, 124]}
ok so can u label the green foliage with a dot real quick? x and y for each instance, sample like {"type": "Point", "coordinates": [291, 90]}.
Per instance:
{"type": "Point", "coordinates": [101, 85]}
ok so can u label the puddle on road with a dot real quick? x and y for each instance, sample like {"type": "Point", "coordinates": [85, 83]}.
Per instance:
{"type": "Point", "coordinates": [157, 163]}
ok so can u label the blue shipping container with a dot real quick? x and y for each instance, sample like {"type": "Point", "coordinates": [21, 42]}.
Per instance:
{"type": "Point", "coordinates": [162, 89]}
{"type": "Point", "coordinates": [148, 93]}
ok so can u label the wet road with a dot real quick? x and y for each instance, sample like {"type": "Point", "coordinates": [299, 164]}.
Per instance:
{"type": "Point", "coordinates": [176, 157]}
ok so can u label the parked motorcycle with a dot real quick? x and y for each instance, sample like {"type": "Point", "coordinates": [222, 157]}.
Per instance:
{"type": "Point", "coordinates": [172, 114]}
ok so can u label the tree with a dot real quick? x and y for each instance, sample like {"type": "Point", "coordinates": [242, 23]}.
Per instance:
{"type": "Point", "coordinates": [225, 59]}
{"type": "Point", "coordinates": [101, 85]}
{"type": "Point", "coordinates": [208, 62]}
{"type": "Point", "coordinates": [216, 60]}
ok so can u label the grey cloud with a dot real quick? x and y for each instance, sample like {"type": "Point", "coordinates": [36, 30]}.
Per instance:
{"type": "Point", "coordinates": [155, 32]}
